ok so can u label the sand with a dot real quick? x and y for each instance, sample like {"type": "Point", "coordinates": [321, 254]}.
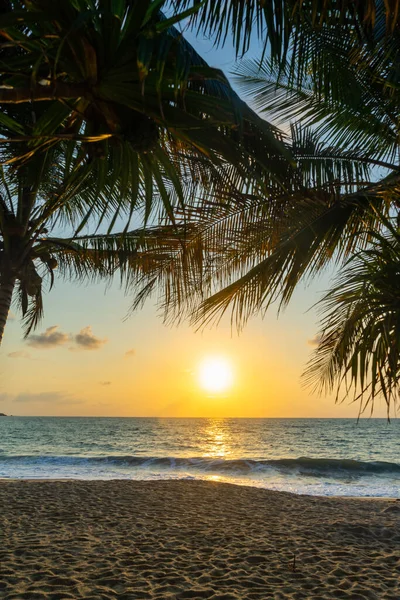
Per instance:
{"type": "Point", "coordinates": [192, 539]}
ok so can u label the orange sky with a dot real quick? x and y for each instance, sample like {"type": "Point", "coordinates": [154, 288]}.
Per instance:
{"type": "Point", "coordinates": [86, 359]}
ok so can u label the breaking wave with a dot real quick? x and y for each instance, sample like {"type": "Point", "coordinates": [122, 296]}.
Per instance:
{"type": "Point", "coordinates": [303, 466]}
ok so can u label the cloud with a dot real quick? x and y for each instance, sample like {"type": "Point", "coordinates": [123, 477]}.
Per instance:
{"type": "Point", "coordinates": [54, 337]}
{"type": "Point", "coordinates": [130, 352]}
{"type": "Point", "coordinates": [4, 397]}
{"type": "Point", "coordinates": [105, 382]}
{"type": "Point", "coordinates": [51, 338]}
{"type": "Point", "coordinates": [86, 340]}
{"type": "Point", "coordinates": [314, 341]}
{"type": "Point", "coordinates": [50, 397]}
{"type": "Point", "coordinates": [19, 354]}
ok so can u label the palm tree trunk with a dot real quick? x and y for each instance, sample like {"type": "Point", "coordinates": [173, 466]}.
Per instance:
{"type": "Point", "coordinates": [6, 291]}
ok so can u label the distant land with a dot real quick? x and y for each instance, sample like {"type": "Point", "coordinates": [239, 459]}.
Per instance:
{"type": "Point", "coordinates": [3, 415]}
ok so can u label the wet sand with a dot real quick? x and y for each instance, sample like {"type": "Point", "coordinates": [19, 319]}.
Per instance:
{"type": "Point", "coordinates": [192, 539]}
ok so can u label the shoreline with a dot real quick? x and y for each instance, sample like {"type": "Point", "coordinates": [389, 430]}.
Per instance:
{"type": "Point", "coordinates": [166, 481]}
{"type": "Point", "coordinates": [126, 539]}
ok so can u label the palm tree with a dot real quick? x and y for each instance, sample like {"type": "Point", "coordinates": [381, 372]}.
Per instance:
{"type": "Point", "coordinates": [342, 93]}
{"type": "Point", "coordinates": [35, 201]}
{"type": "Point", "coordinates": [246, 244]}
{"type": "Point", "coordinates": [341, 90]}
{"type": "Point", "coordinates": [109, 115]}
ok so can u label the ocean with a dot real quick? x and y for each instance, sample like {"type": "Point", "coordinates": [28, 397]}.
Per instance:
{"type": "Point", "coordinates": [305, 456]}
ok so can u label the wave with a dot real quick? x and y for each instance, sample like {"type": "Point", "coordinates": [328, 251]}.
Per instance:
{"type": "Point", "coordinates": [303, 466]}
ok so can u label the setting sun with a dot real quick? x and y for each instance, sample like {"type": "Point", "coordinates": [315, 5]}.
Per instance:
{"type": "Point", "coordinates": [215, 374]}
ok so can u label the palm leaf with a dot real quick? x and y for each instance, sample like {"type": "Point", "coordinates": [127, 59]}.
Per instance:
{"type": "Point", "coordinates": [358, 348]}
{"type": "Point", "coordinates": [279, 24]}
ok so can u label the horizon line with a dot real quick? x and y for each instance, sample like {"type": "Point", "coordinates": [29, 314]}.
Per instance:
{"type": "Point", "coordinates": [187, 417]}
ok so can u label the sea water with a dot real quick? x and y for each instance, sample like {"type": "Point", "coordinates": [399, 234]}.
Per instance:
{"type": "Point", "coordinates": [305, 456]}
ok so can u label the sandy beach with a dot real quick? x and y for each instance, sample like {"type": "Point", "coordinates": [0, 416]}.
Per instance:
{"type": "Point", "coordinates": [193, 539]}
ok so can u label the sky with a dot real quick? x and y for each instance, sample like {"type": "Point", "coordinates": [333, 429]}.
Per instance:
{"type": "Point", "coordinates": [88, 359]}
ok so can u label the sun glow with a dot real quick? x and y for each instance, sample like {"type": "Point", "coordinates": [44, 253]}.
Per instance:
{"type": "Point", "coordinates": [215, 374]}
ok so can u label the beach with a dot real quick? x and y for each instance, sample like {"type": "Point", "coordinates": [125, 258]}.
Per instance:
{"type": "Point", "coordinates": [193, 539]}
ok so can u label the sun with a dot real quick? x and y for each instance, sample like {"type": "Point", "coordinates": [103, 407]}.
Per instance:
{"type": "Point", "coordinates": [215, 374]}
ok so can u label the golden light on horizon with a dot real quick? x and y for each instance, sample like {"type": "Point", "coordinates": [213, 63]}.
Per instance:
{"type": "Point", "coordinates": [215, 374]}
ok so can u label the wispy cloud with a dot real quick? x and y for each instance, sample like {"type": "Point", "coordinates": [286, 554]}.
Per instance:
{"type": "Point", "coordinates": [4, 397]}
{"type": "Point", "coordinates": [86, 340]}
{"type": "Point", "coordinates": [130, 353]}
{"type": "Point", "coordinates": [48, 397]}
{"type": "Point", "coordinates": [51, 338]}
{"type": "Point", "coordinates": [105, 382]}
{"type": "Point", "coordinates": [19, 354]}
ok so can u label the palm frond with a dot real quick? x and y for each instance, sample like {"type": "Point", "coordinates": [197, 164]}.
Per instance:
{"type": "Point", "coordinates": [31, 305]}
{"type": "Point", "coordinates": [313, 230]}
{"type": "Point", "coordinates": [279, 24]}
{"type": "Point", "coordinates": [150, 82]}
{"type": "Point", "coordinates": [358, 350]}
{"type": "Point", "coordinates": [358, 113]}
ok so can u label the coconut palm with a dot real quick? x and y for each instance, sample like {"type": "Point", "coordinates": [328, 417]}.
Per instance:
{"type": "Point", "coordinates": [247, 253]}
{"type": "Point", "coordinates": [109, 114]}
{"type": "Point", "coordinates": [118, 73]}
{"type": "Point", "coordinates": [249, 248]}
{"type": "Point", "coordinates": [342, 92]}
{"type": "Point", "coordinates": [34, 202]}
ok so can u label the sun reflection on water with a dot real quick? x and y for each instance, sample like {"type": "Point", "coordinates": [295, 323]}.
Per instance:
{"type": "Point", "coordinates": [214, 478]}
{"type": "Point", "coordinates": [217, 440]}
